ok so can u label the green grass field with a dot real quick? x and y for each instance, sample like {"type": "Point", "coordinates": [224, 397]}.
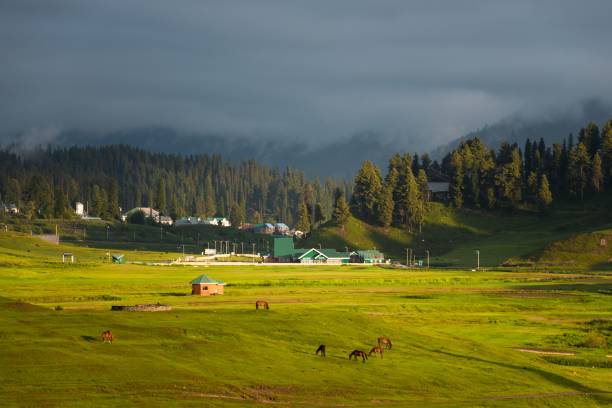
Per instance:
{"type": "Point", "coordinates": [455, 335]}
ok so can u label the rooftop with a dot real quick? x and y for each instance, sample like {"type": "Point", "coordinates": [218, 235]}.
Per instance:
{"type": "Point", "coordinates": [205, 279]}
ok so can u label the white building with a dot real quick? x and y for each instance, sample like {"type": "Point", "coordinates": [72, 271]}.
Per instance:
{"type": "Point", "coordinates": [219, 221]}
{"type": "Point", "coordinates": [79, 209]}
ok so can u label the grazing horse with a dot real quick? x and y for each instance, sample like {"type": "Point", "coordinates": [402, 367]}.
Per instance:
{"type": "Point", "coordinates": [321, 350]}
{"type": "Point", "coordinates": [107, 336]}
{"type": "Point", "coordinates": [262, 303]}
{"type": "Point", "coordinates": [358, 353]}
{"type": "Point", "coordinates": [384, 340]}
{"type": "Point", "coordinates": [376, 349]}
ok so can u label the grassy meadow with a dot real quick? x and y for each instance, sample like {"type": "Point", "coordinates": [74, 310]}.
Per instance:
{"type": "Point", "coordinates": [456, 335]}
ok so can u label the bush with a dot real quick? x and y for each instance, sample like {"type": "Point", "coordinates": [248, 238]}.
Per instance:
{"type": "Point", "coordinates": [594, 340]}
{"type": "Point", "coordinates": [58, 307]}
{"type": "Point", "coordinates": [137, 217]}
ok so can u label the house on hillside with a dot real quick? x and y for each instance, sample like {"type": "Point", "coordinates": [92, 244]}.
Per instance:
{"type": "Point", "coordinates": [438, 191]}
{"type": "Point", "coordinates": [79, 209]}
{"type": "Point", "coordinates": [9, 208]}
{"type": "Point", "coordinates": [148, 212]}
{"type": "Point", "coordinates": [205, 286]}
{"type": "Point", "coordinates": [281, 229]}
{"type": "Point", "coordinates": [219, 221]}
{"type": "Point", "coordinates": [188, 221]}
{"type": "Point", "coordinates": [370, 256]}
{"type": "Point", "coordinates": [165, 220]}
{"type": "Point", "coordinates": [266, 228]}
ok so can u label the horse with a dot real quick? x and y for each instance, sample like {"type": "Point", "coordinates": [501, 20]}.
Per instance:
{"type": "Point", "coordinates": [358, 353]}
{"type": "Point", "coordinates": [321, 350]}
{"type": "Point", "coordinates": [384, 340]}
{"type": "Point", "coordinates": [376, 349]}
{"type": "Point", "coordinates": [107, 336]}
{"type": "Point", "coordinates": [262, 303]}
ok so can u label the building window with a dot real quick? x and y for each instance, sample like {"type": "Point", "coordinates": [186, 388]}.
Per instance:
{"type": "Point", "coordinates": [205, 287]}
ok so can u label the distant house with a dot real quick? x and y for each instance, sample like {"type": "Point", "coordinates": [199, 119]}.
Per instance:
{"type": "Point", "coordinates": [9, 208]}
{"type": "Point", "coordinates": [205, 286]}
{"type": "Point", "coordinates": [281, 229]}
{"type": "Point", "coordinates": [369, 256]}
{"type": "Point", "coordinates": [219, 221]}
{"type": "Point", "coordinates": [297, 233]}
{"type": "Point", "coordinates": [148, 212]}
{"type": "Point", "coordinates": [265, 228]}
{"type": "Point", "coordinates": [165, 220]}
{"type": "Point", "coordinates": [439, 191]}
{"type": "Point", "coordinates": [188, 221]}
{"type": "Point", "coordinates": [79, 209]}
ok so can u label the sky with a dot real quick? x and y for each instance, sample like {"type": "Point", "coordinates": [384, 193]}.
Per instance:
{"type": "Point", "coordinates": [420, 72]}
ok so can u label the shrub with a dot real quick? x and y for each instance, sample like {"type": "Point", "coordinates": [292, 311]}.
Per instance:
{"type": "Point", "coordinates": [594, 340]}
{"type": "Point", "coordinates": [58, 307]}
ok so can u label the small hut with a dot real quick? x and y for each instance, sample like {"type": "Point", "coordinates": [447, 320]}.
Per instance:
{"type": "Point", "coordinates": [204, 286]}
{"type": "Point", "coordinates": [118, 258]}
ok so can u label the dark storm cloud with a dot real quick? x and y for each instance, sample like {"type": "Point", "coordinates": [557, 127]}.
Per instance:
{"type": "Point", "coordinates": [424, 72]}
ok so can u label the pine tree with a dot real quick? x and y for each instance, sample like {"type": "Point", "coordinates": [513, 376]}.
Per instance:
{"type": "Point", "coordinates": [545, 197]}
{"type": "Point", "coordinates": [319, 216]}
{"type": "Point", "coordinates": [456, 184]}
{"type": "Point", "coordinates": [385, 207]}
{"type": "Point", "coordinates": [606, 148]}
{"type": "Point", "coordinates": [236, 216]}
{"type": "Point", "coordinates": [303, 218]}
{"type": "Point", "coordinates": [579, 166]}
{"type": "Point", "coordinates": [341, 212]}
{"type": "Point", "coordinates": [366, 190]}
{"type": "Point", "coordinates": [160, 196]}
{"type": "Point", "coordinates": [532, 187]}
{"type": "Point", "coordinates": [60, 208]}
{"type": "Point", "coordinates": [209, 197]}
{"type": "Point", "coordinates": [113, 200]}
{"type": "Point", "coordinates": [597, 178]}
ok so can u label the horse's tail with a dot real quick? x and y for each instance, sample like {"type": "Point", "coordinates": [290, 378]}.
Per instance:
{"type": "Point", "coordinates": [390, 344]}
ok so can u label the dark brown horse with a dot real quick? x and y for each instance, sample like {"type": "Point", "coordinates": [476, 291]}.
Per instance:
{"type": "Point", "coordinates": [376, 349]}
{"type": "Point", "coordinates": [384, 341]}
{"type": "Point", "coordinates": [107, 336]}
{"type": "Point", "coordinates": [321, 350]}
{"type": "Point", "coordinates": [358, 353]}
{"type": "Point", "coordinates": [262, 304]}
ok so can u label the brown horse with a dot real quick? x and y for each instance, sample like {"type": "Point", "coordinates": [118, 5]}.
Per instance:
{"type": "Point", "coordinates": [384, 340]}
{"type": "Point", "coordinates": [376, 349]}
{"type": "Point", "coordinates": [107, 336]}
{"type": "Point", "coordinates": [262, 303]}
{"type": "Point", "coordinates": [358, 353]}
{"type": "Point", "coordinates": [321, 350]}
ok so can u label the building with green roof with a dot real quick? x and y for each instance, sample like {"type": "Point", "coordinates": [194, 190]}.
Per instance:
{"type": "Point", "coordinates": [205, 286]}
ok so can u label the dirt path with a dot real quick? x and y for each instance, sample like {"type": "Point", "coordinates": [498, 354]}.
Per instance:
{"type": "Point", "coordinates": [547, 352]}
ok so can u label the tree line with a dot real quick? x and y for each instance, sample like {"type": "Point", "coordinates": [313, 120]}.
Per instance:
{"type": "Point", "coordinates": [512, 177]}
{"type": "Point", "coordinates": [46, 183]}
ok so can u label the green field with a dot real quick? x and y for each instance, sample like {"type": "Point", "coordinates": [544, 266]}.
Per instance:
{"type": "Point", "coordinates": [455, 335]}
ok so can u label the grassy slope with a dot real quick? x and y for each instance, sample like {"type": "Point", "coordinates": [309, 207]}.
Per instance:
{"type": "Point", "coordinates": [454, 334]}
{"type": "Point", "coordinates": [452, 236]}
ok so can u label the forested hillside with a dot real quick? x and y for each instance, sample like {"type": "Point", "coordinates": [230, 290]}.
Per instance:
{"type": "Point", "coordinates": [46, 183]}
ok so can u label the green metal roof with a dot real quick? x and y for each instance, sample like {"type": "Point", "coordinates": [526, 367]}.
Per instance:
{"type": "Point", "coordinates": [371, 254]}
{"type": "Point", "coordinates": [205, 279]}
{"type": "Point", "coordinates": [283, 246]}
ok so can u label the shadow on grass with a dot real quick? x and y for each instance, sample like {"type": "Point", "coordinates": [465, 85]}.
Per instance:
{"type": "Point", "coordinates": [601, 266]}
{"type": "Point", "coordinates": [171, 293]}
{"type": "Point", "coordinates": [601, 288]}
{"type": "Point", "coordinates": [88, 338]}
{"type": "Point", "coordinates": [600, 396]}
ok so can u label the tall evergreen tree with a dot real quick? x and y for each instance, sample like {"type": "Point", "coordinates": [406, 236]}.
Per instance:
{"type": "Point", "coordinates": [456, 184]}
{"type": "Point", "coordinates": [160, 196]}
{"type": "Point", "coordinates": [113, 200]}
{"type": "Point", "coordinates": [544, 197]}
{"type": "Point", "coordinates": [597, 178]}
{"type": "Point", "coordinates": [385, 207]}
{"type": "Point", "coordinates": [366, 190]}
{"type": "Point", "coordinates": [303, 218]}
{"type": "Point", "coordinates": [341, 212]}
{"type": "Point", "coordinates": [579, 166]}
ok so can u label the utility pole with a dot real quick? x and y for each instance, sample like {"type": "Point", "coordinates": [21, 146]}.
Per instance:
{"type": "Point", "coordinates": [427, 258]}
{"type": "Point", "coordinates": [107, 230]}
{"type": "Point", "coordinates": [407, 262]}
{"type": "Point", "coordinates": [161, 233]}
{"type": "Point", "coordinates": [477, 259]}
{"type": "Point", "coordinates": [253, 252]}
